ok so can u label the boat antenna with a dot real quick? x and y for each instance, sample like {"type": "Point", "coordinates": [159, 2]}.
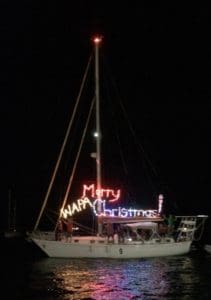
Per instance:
{"type": "Point", "coordinates": [97, 41]}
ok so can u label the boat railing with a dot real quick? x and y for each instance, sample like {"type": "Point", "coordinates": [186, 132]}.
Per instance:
{"type": "Point", "coordinates": [47, 235]}
{"type": "Point", "coordinates": [186, 228]}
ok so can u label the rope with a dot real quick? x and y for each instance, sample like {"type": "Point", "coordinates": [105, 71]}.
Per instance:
{"type": "Point", "coordinates": [75, 163]}
{"type": "Point", "coordinates": [62, 148]}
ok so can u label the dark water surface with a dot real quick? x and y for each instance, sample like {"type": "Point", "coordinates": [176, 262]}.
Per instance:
{"type": "Point", "coordinates": [28, 275]}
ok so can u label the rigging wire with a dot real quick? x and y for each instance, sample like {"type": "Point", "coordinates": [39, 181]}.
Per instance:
{"type": "Point", "coordinates": [141, 148]}
{"type": "Point", "coordinates": [63, 147]}
{"type": "Point", "coordinates": [76, 161]}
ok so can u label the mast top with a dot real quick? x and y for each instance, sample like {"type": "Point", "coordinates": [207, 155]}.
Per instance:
{"type": "Point", "coordinates": [97, 39]}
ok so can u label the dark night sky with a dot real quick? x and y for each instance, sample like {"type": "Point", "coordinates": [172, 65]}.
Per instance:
{"type": "Point", "coordinates": [161, 58]}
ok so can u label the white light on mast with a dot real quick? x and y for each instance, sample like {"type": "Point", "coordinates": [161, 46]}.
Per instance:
{"type": "Point", "coordinates": [160, 203]}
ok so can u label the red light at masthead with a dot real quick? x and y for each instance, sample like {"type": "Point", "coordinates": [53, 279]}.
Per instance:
{"type": "Point", "coordinates": [97, 39]}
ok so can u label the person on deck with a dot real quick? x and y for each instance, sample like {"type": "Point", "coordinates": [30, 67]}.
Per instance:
{"type": "Point", "coordinates": [59, 231]}
{"type": "Point", "coordinates": [110, 232]}
{"type": "Point", "coordinates": [170, 222]}
{"type": "Point", "coordinates": [121, 234]}
{"type": "Point", "coordinates": [69, 228]}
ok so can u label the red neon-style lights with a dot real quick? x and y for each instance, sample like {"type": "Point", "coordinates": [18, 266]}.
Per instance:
{"type": "Point", "coordinates": [110, 194]}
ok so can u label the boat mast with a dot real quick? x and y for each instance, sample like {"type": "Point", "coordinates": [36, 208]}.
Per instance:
{"type": "Point", "coordinates": [97, 41]}
{"type": "Point", "coordinates": [11, 212]}
{"type": "Point", "coordinates": [9, 209]}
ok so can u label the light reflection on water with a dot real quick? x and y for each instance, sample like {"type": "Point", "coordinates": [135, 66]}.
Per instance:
{"type": "Point", "coordinates": [160, 278]}
{"type": "Point", "coordinates": [112, 279]}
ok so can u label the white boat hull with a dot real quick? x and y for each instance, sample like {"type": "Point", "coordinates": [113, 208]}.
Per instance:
{"type": "Point", "coordinates": [12, 234]}
{"type": "Point", "coordinates": [99, 249]}
{"type": "Point", "coordinates": [207, 248]}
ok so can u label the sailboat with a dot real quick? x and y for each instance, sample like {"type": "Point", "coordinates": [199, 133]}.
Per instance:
{"type": "Point", "coordinates": [12, 231]}
{"type": "Point", "coordinates": [207, 248]}
{"type": "Point", "coordinates": [121, 232]}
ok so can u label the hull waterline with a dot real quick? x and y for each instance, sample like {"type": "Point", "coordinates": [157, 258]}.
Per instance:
{"type": "Point", "coordinates": [105, 250]}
